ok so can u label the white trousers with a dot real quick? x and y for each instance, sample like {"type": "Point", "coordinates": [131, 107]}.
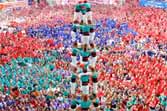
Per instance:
{"type": "Point", "coordinates": [73, 35]}
{"type": "Point", "coordinates": [73, 88]}
{"type": "Point", "coordinates": [51, 2]}
{"type": "Point", "coordinates": [85, 19]}
{"type": "Point", "coordinates": [64, 2]}
{"type": "Point", "coordinates": [77, 16]}
{"type": "Point", "coordinates": [122, 2]}
{"type": "Point", "coordinates": [85, 39]}
{"type": "Point", "coordinates": [74, 60]}
{"type": "Point", "coordinates": [93, 61]}
{"type": "Point", "coordinates": [95, 88]}
{"type": "Point", "coordinates": [92, 37]}
{"type": "Point", "coordinates": [85, 89]}
{"type": "Point", "coordinates": [89, 16]}
{"type": "Point", "coordinates": [85, 63]}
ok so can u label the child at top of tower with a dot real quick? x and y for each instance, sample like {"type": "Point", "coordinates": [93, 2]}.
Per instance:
{"type": "Point", "coordinates": [77, 14]}
{"type": "Point", "coordinates": [88, 12]}
{"type": "Point", "coordinates": [83, 13]}
{"type": "Point", "coordinates": [80, 8]}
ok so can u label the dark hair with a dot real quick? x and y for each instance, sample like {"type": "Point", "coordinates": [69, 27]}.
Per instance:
{"type": "Point", "coordinates": [75, 44]}
{"type": "Point", "coordinates": [92, 45]}
{"type": "Point", "coordinates": [85, 98]}
{"type": "Point", "coordinates": [74, 30]}
{"type": "Point", "coordinates": [84, 70]}
{"type": "Point", "coordinates": [88, 9]}
{"type": "Point", "coordinates": [94, 95]}
{"type": "Point", "coordinates": [93, 54]}
{"type": "Point", "coordinates": [76, 10]}
{"type": "Point", "coordinates": [73, 80]}
{"type": "Point", "coordinates": [95, 104]}
{"type": "Point", "coordinates": [92, 30]}
{"type": "Point", "coordinates": [73, 106]}
{"type": "Point", "coordinates": [15, 89]}
{"type": "Point", "coordinates": [85, 1]}
{"type": "Point", "coordinates": [76, 21]}
{"type": "Point", "coordinates": [85, 59]}
{"type": "Point", "coordinates": [94, 80]}
{"type": "Point", "coordinates": [74, 54]}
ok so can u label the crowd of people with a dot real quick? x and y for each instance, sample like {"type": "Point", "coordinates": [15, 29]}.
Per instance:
{"type": "Point", "coordinates": [132, 59]}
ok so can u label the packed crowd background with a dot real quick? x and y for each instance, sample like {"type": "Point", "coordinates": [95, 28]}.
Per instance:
{"type": "Point", "coordinates": [132, 59]}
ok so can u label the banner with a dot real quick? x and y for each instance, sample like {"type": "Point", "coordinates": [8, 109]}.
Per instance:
{"type": "Point", "coordinates": [13, 4]}
{"type": "Point", "coordinates": [73, 2]}
{"type": "Point", "coordinates": [154, 3]}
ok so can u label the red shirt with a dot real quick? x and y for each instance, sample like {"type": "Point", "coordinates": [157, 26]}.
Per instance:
{"type": "Point", "coordinates": [153, 102]}
{"type": "Point", "coordinates": [100, 94]}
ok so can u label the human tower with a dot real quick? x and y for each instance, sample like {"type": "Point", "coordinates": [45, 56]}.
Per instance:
{"type": "Point", "coordinates": [84, 80]}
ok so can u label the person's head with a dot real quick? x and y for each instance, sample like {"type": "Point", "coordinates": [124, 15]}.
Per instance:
{"type": "Point", "coordinates": [85, 47]}
{"type": "Point", "coordinates": [75, 69]}
{"type": "Point", "coordinates": [85, 98]}
{"type": "Point", "coordinates": [80, 2]}
{"type": "Point", "coordinates": [93, 54]}
{"type": "Point", "coordinates": [76, 22]}
{"type": "Point", "coordinates": [85, 1]}
{"type": "Point", "coordinates": [75, 44]}
{"type": "Point", "coordinates": [92, 69]}
{"type": "Point", "coordinates": [84, 70]}
{"type": "Point", "coordinates": [92, 45]}
{"type": "Point", "coordinates": [91, 29]}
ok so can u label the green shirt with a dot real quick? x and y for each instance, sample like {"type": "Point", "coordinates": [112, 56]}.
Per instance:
{"type": "Point", "coordinates": [163, 100]}
{"type": "Point", "coordinates": [28, 60]}
{"type": "Point", "coordinates": [65, 93]}
{"type": "Point", "coordinates": [75, 51]}
{"type": "Point", "coordinates": [22, 63]}
{"type": "Point", "coordinates": [73, 102]}
{"type": "Point", "coordinates": [59, 78]}
{"type": "Point", "coordinates": [107, 109]}
{"type": "Point", "coordinates": [74, 27]}
{"type": "Point", "coordinates": [14, 62]}
{"type": "Point", "coordinates": [3, 70]}
{"type": "Point", "coordinates": [35, 60]}
{"type": "Point", "coordinates": [24, 92]}
{"type": "Point", "coordinates": [95, 75]}
{"type": "Point", "coordinates": [83, 11]}
{"type": "Point", "coordinates": [85, 28]}
{"type": "Point", "coordinates": [50, 58]}
{"type": "Point", "coordinates": [51, 67]}
{"type": "Point", "coordinates": [129, 104]}
{"type": "Point", "coordinates": [73, 76]}
{"type": "Point", "coordinates": [2, 89]}
{"type": "Point", "coordinates": [85, 104]}
{"type": "Point", "coordinates": [85, 54]}
{"type": "Point", "coordinates": [85, 78]}
{"type": "Point", "coordinates": [132, 102]}
{"type": "Point", "coordinates": [87, 5]}
{"type": "Point", "coordinates": [20, 84]}
{"type": "Point", "coordinates": [78, 7]}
